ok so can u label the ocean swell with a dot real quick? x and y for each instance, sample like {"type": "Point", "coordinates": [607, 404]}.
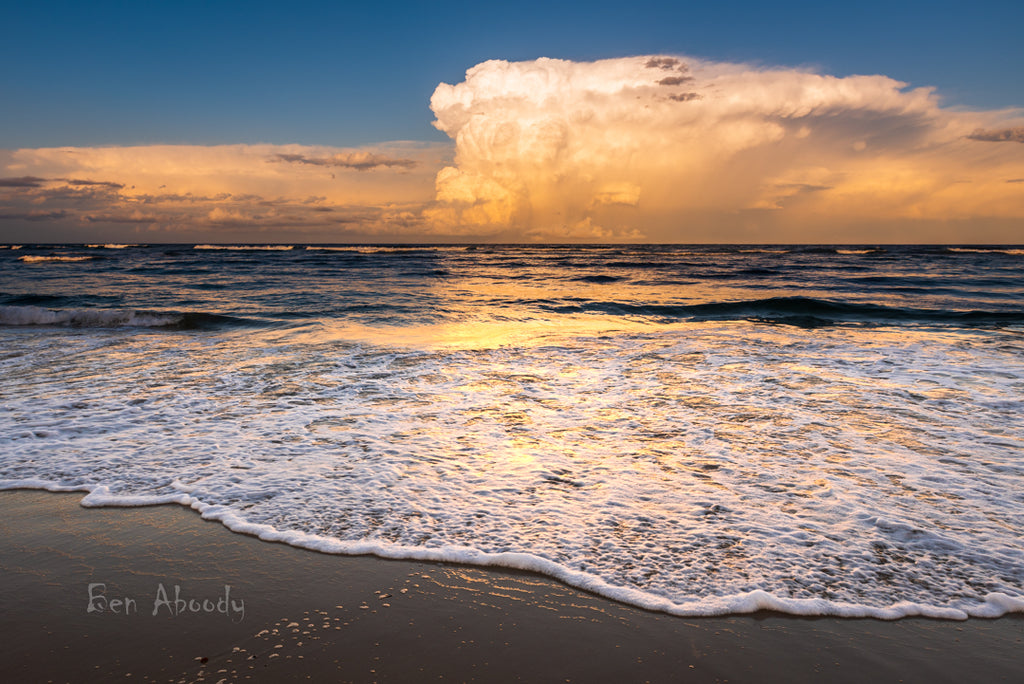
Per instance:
{"type": "Point", "coordinates": [25, 316]}
{"type": "Point", "coordinates": [802, 312]}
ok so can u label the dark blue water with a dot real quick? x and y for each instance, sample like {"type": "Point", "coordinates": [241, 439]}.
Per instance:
{"type": "Point", "coordinates": [807, 286]}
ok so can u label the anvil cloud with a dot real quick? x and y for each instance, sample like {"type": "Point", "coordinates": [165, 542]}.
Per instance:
{"type": "Point", "coordinates": [677, 150]}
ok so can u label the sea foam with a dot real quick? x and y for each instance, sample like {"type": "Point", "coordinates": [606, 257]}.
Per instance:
{"type": "Point", "coordinates": [42, 259]}
{"type": "Point", "coordinates": [992, 605]}
{"type": "Point", "coordinates": [704, 470]}
{"type": "Point", "coordinates": [247, 248]}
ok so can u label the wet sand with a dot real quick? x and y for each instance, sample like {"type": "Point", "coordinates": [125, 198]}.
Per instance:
{"type": "Point", "coordinates": [295, 615]}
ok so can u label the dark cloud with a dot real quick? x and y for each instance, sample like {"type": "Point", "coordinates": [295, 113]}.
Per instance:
{"type": "Point", "coordinates": [684, 97]}
{"type": "Point", "coordinates": [802, 188]}
{"type": "Point", "coordinates": [1016, 180]}
{"type": "Point", "coordinates": [359, 161]}
{"type": "Point", "coordinates": [174, 197]}
{"type": "Point", "coordinates": [675, 80]}
{"type": "Point", "coordinates": [34, 215]}
{"type": "Point", "coordinates": [664, 63]}
{"type": "Point", "coordinates": [293, 158]}
{"type": "Point", "coordinates": [105, 184]}
{"type": "Point", "coordinates": [22, 182]}
{"type": "Point", "coordinates": [189, 198]}
{"type": "Point", "coordinates": [119, 218]}
{"type": "Point", "coordinates": [36, 182]}
{"type": "Point", "coordinates": [1004, 135]}
{"type": "Point", "coordinates": [77, 194]}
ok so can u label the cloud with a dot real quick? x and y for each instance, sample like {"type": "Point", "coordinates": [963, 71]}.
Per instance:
{"type": "Point", "coordinates": [33, 215]}
{"type": "Point", "coordinates": [662, 63]}
{"type": "Point", "coordinates": [36, 182]}
{"type": "Point", "coordinates": [225, 192]}
{"type": "Point", "coordinates": [22, 182]}
{"type": "Point", "coordinates": [674, 80]}
{"type": "Point", "coordinates": [716, 151]}
{"type": "Point", "coordinates": [360, 161]}
{"type": "Point", "coordinates": [106, 184]}
{"type": "Point", "coordinates": [658, 148]}
{"type": "Point", "coordinates": [1005, 135]}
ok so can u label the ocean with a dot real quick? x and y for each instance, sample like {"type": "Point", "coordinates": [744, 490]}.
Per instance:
{"type": "Point", "coordinates": [699, 430]}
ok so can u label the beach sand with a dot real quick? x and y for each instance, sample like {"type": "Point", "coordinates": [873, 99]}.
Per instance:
{"type": "Point", "coordinates": [316, 617]}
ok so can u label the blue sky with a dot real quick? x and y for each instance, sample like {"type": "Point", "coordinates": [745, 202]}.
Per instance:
{"type": "Point", "coordinates": [347, 74]}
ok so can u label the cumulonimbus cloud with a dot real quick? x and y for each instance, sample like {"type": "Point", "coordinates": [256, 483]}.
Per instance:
{"type": "Point", "coordinates": [678, 149]}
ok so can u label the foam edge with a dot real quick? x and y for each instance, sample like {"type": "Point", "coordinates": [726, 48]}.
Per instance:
{"type": "Point", "coordinates": [993, 605]}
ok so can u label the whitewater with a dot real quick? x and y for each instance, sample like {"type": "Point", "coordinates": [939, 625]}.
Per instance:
{"type": "Point", "coordinates": [699, 430]}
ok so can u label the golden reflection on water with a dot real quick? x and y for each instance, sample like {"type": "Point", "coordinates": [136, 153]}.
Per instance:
{"type": "Point", "coordinates": [472, 334]}
{"type": "Point", "coordinates": [709, 449]}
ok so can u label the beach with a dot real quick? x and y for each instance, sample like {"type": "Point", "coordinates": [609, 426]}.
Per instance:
{"type": "Point", "coordinates": [513, 463]}
{"type": "Point", "coordinates": [297, 615]}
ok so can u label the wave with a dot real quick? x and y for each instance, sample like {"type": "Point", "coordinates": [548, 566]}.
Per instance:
{"type": "Point", "coordinates": [991, 605]}
{"type": "Point", "coordinates": [113, 246]}
{"type": "Point", "coordinates": [597, 279]}
{"type": "Point", "coordinates": [60, 301]}
{"type": "Point", "coordinates": [803, 312]}
{"type": "Point", "coordinates": [988, 250]}
{"type": "Point", "coordinates": [355, 249]}
{"type": "Point", "coordinates": [247, 248]}
{"type": "Point", "coordinates": [113, 318]}
{"type": "Point", "coordinates": [35, 259]}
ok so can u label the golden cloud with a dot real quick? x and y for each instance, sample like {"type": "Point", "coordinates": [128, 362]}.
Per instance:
{"type": "Point", "coordinates": [225, 192]}
{"type": "Point", "coordinates": [657, 148]}
{"type": "Point", "coordinates": [678, 149]}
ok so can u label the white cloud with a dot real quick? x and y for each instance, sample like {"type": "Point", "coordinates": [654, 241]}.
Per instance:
{"type": "Point", "coordinates": [679, 149]}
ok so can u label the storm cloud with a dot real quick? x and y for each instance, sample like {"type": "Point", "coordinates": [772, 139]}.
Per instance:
{"type": "Point", "coordinates": [671, 148]}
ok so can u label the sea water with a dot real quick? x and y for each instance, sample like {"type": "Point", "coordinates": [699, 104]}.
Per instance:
{"type": "Point", "coordinates": [692, 429]}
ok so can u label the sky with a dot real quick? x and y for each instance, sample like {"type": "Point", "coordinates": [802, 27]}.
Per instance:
{"type": "Point", "coordinates": [512, 122]}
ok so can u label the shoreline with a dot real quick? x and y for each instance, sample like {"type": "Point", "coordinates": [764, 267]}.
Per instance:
{"type": "Point", "coordinates": [995, 604]}
{"type": "Point", "coordinates": [313, 616]}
